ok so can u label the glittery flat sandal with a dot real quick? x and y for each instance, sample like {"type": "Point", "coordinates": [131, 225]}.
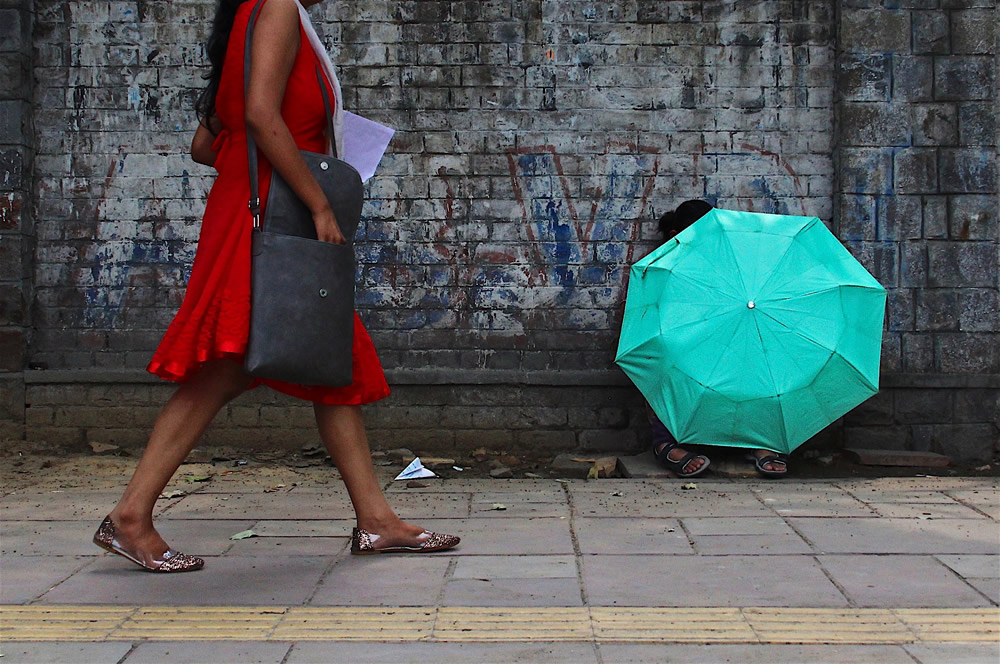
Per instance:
{"type": "Point", "coordinates": [169, 561]}
{"type": "Point", "coordinates": [363, 543]}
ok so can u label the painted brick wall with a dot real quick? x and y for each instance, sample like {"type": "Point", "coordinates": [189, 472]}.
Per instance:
{"type": "Point", "coordinates": [16, 221]}
{"type": "Point", "coordinates": [537, 141]}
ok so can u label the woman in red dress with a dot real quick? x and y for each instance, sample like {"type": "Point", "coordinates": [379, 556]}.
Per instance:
{"type": "Point", "coordinates": [204, 346]}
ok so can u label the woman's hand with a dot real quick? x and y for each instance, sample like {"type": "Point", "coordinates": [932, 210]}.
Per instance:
{"type": "Point", "coordinates": [327, 228]}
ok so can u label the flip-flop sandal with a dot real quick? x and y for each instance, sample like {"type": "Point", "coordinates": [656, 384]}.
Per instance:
{"type": "Point", "coordinates": [677, 467]}
{"type": "Point", "coordinates": [772, 459]}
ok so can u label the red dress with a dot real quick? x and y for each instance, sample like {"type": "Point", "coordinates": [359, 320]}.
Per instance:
{"type": "Point", "coordinates": [214, 319]}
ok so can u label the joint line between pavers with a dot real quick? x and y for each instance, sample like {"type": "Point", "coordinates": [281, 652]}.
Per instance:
{"type": "Point", "coordinates": [963, 579]}
{"type": "Point", "coordinates": [575, 541]}
{"type": "Point", "coordinates": [915, 634]}
{"type": "Point", "coordinates": [749, 623]}
{"type": "Point", "coordinates": [971, 506]}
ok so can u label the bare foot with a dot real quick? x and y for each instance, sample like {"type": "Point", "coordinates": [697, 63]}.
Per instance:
{"type": "Point", "coordinates": [679, 453]}
{"type": "Point", "coordinates": [774, 465]}
{"type": "Point", "coordinates": [395, 533]}
{"type": "Point", "coordinates": [139, 539]}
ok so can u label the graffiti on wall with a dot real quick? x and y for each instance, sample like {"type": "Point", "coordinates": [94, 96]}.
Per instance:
{"type": "Point", "coordinates": [560, 248]}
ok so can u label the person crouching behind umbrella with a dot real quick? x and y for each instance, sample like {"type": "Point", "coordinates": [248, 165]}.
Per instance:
{"type": "Point", "coordinates": [666, 449]}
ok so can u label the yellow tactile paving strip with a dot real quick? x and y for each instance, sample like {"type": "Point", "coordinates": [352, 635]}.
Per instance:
{"type": "Point", "coordinates": [603, 624]}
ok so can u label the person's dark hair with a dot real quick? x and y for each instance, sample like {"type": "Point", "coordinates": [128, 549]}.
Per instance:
{"type": "Point", "coordinates": [686, 214]}
{"type": "Point", "coordinates": [215, 48]}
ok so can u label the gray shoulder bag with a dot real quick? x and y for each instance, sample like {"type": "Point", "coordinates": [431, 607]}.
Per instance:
{"type": "Point", "coordinates": [301, 289]}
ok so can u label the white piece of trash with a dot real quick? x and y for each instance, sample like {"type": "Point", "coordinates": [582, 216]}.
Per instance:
{"type": "Point", "coordinates": [415, 471]}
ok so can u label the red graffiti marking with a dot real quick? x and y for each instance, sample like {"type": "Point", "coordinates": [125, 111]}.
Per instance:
{"type": "Point", "coordinates": [796, 180]}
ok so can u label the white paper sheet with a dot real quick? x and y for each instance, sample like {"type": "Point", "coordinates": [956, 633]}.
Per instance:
{"type": "Point", "coordinates": [365, 142]}
{"type": "Point", "coordinates": [415, 471]}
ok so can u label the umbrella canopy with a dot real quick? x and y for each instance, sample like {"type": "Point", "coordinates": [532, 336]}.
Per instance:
{"type": "Point", "coordinates": [752, 330]}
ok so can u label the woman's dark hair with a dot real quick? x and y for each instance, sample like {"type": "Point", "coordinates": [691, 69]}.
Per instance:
{"type": "Point", "coordinates": [215, 48]}
{"type": "Point", "coordinates": [686, 214]}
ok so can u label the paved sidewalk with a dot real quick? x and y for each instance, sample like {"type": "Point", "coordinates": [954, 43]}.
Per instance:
{"type": "Point", "coordinates": [886, 570]}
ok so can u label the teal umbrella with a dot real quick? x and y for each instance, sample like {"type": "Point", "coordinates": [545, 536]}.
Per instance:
{"type": "Point", "coordinates": [752, 330]}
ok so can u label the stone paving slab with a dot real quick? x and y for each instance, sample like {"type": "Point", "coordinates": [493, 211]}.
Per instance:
{"type": "Point", "coordinates": [874, 494]}
{"type": "Point", "coordinates": [62, 505]}
{"type": "Point", "coordinates": [513, 536]}
{"type": "Point", "coordinates": [200, 652]}
{"type": "Point", "coordinates": [635, 535]}
{"type": "Point", "coordinates": [651, 503]}
{"type": "Point", "coordinates": [33, 538]}
{"type": "Point", "coordinates": [755, 654]}
{"type": "Point", "coordinates": [437, 653]}
{"type": "Point", "coordinates": [501, 510]}
{"type": "Point", "coordinates": [990, 587]}
{"type": "Point", "coordinates": [383, 580]}
{"type": "Point", "coordinates": [770, 525]}
{"type": "Point", "coordinates": [263, 547]}
{"type": "Point", "coordinates": [686, 581]}
{"type": "Point", "coordinates": [17, 652]}
{"type": "Point", "coordinates": [431, 506]}
{"type": "Point", "coordinates": [974, 565]}
{"type": "Point", "coordinates": [920, 483]}
{"type": "Point", "coordinates": [986, 500]}
{"type": "Point", "coordinates": [926, 511]}
{"type": "Point", "coordinates": [518, 497]}
{"type": "Point", "coordinates": [512, 592]}
{"type": "Point", "coordinates": [954, 653]}
{"type": "Point", "coordinates": [304, 528]}
{"type": "Point", "coordinates": [259, 506]}
{"type": "Point", "coordinates": [900, 581]}
{"type": "Point", "coordinates": [722, 545]}
{"type": "Point", "coordinates": [897, 535]}
{"type": "Point", "coordinates": [234, 581]}
{"type": "Point", "coordinates": [515, 567]}
{"type": "Point", "coordinates": [27, 577]}
{"type": "Point", "coordinates": [616, 484]}
{"type": "Point", "coordinates": [816, 504]}
{"type": "Point", "coordinates": [461, 485]}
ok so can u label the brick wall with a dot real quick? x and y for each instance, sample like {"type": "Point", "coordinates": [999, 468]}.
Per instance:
{"type": "Point", "coordinates": [537, 141]}
{"type": "Point", "coordinates": [917, 201]}
{"type": "Point", "coordinates": [16, 221]}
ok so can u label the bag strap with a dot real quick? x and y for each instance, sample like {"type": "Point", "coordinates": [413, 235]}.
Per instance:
{"type": "Point", "coordinates": [251, 144]}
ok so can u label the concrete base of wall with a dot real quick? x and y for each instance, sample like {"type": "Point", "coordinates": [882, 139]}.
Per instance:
{"type": "Point", "coordinates": [448, 413]}
{"type": "Point", "coordinates": [12, 402]}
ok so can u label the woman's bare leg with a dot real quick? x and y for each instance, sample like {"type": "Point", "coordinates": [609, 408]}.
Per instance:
{"type": "Point", "coordinates": [178, 428]}
{"type": "Point", "coordinates": [342, 429]}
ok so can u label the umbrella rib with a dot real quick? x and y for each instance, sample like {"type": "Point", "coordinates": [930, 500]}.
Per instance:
{"type": "Point", "coordinates": [799, 333]}
{"type": "Point", "coordinates": [714, 315]}
{"type": "Point", "coordinates": [718, 360]}
{"type": "Point", "coordinates": [788, 250]}
{"type": "Point", "coordinates": [853, 368]}
{"type": "Point", "coordinates": [703, 284]}
{"type": "Point", "coordinates": [777, 397]}
{"type": "Point", "coordinates": [732, 254]}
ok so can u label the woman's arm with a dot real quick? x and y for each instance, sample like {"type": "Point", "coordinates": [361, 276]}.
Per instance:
{"type": "Point", "coordinates": [201, 146]}
{"type": "Point", "coordinates": [275, 45]}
